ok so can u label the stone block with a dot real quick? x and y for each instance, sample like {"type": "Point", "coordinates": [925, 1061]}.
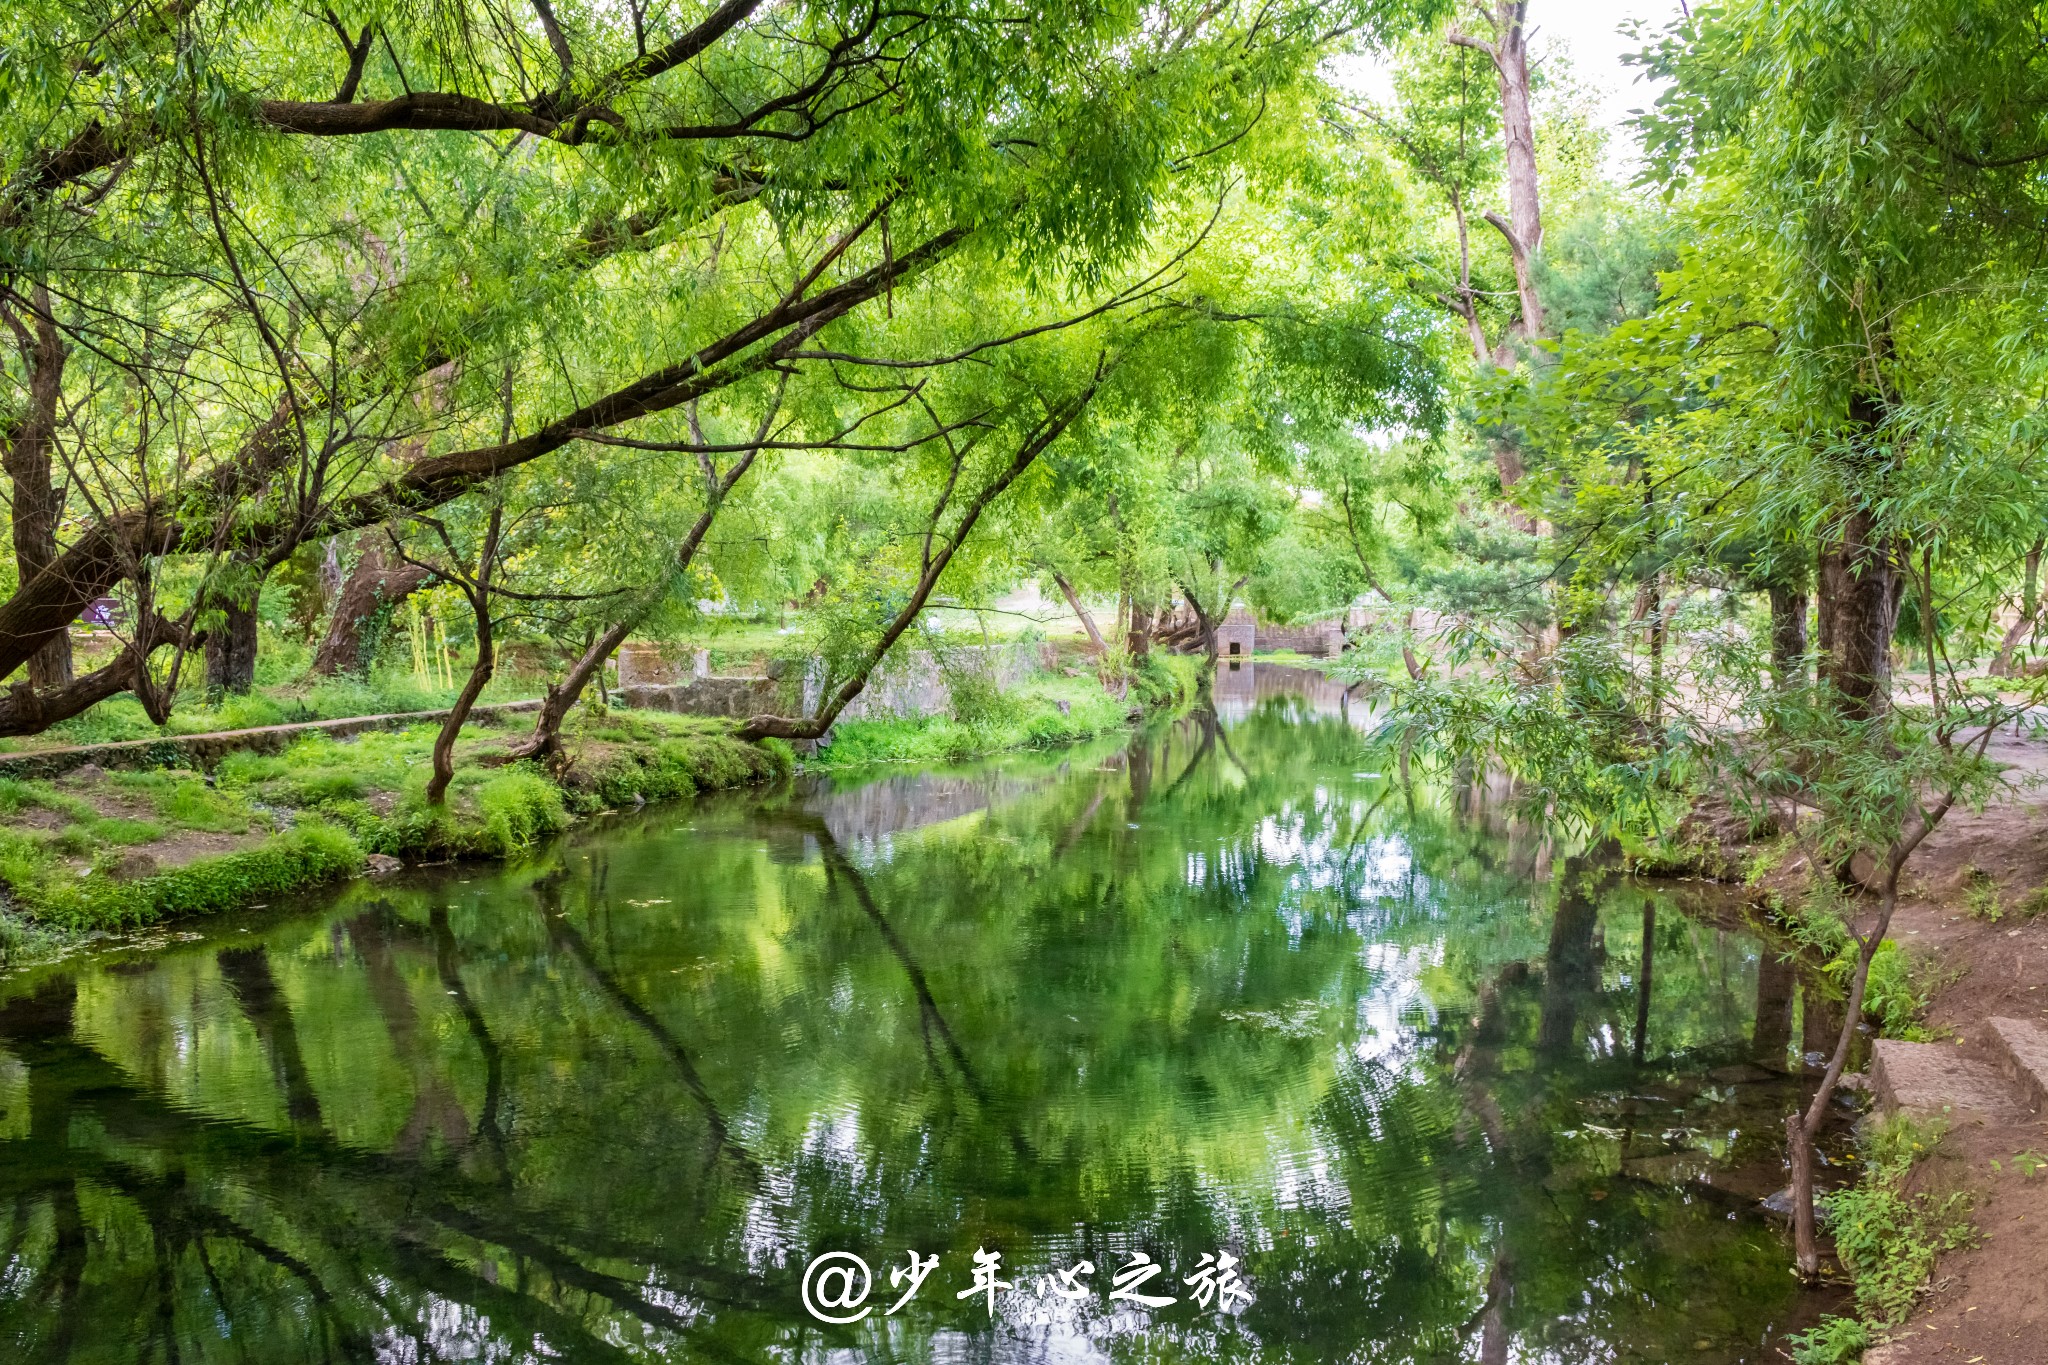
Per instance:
{"type": "Point", "coordinates": [2023, 1049]}
{"type": "Point", "coordinates": [1930, 1080]}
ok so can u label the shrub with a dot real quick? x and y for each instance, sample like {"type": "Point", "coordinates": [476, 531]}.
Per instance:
{"type": "Point", "coordinates": [1980, 897]}
{"type": "Point", "coordinates": [1886, 1238]}
{"type": "Point", "coordinates": [1836, 1341]}
{"type": "Point", "coordinates": [311, 854]}
{"type": "Point", "coordinates": [514, 806]}
{"type": "Point", "coordinates": [1892, 998]}
{"type": "Point", "coordinates": [974, 697]}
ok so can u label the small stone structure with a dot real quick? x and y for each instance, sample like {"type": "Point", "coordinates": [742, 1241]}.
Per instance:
{"type": "Point", "coordinates": [1237, 636]}
{"type": "Point", "coordinates": [1929, 1079]}
{"type": "Point", "coordinates": [1241, 634]}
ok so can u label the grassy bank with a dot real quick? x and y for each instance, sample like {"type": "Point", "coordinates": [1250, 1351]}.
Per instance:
{"type": "Point", "coordinates": [1888, 1230]}
{"type": "Point", "coordinates": [1052, 709]}
{"type": "Point", "coordinates": [97, 851]}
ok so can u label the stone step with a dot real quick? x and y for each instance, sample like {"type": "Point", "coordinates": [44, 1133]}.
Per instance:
{"type": "Point", "coordinates": [1929, 1080]}
{"type": "Point", "coordinates": [2023, 1052]}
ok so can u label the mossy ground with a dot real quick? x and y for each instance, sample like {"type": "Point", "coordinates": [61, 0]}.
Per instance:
{"type": "Point", "coordinates": [99, 850]}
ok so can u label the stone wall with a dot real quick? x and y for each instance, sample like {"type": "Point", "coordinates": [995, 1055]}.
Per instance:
{"type": "Point", "coordinates": [1317, 639]}
{"type": "Point", "coordinates": [736, 697]}
{"type": "Point", "coordinates": [641, 662]}
{"type": "Point", "coordinates": [910, 683]}
{"type": "Point", "coordinates": [913, 683]}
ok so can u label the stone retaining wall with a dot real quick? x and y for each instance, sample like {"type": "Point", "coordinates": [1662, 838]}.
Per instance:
{"type": "Point", "coordinates": [736, 697]}
{"type": "Point", "coordinates": [912, 683]}
{"type": "Point", "coordinates": [203, 751]}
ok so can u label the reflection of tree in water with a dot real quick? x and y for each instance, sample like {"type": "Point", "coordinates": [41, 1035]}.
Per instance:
{"type": "Point", "coordinates": [247, 973]}
{"type": "Point", "coordinates": [614, 1105]}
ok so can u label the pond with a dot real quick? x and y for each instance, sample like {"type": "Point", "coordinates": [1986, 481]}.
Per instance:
{"type": "Point", "coordinates": [1423, 1082]}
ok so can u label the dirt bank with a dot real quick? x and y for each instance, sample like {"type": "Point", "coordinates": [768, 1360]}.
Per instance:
{"type": "Point", "coordinates": [1989, 1303]}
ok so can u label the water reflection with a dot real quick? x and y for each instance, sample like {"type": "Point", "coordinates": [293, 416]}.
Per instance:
{"type": "Point", "coordinates": [1214, 988]}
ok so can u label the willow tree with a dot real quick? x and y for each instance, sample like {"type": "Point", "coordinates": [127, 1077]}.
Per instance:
{"type": "Point", "coordinates": [1840, 372]}
{"type": "Point", "coordinates": [1877, 170]}
{"type": "Point", "coordinates": [287, 253]}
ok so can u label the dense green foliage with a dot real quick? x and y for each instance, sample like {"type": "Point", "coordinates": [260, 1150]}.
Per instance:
{"type": "Point", "coordinates": [479, 339]}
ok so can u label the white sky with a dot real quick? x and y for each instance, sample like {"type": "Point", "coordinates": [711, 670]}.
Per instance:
{"type": "Point", "coordinates": [1591, 30]}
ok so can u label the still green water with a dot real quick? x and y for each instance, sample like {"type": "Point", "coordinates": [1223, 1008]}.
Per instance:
{"type": "Point", "coordinates": [1446, 1090]}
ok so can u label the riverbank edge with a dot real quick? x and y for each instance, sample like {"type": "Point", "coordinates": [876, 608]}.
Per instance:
{"type": "Point", "coordinates": [1923, 1214]}
{"type": "Point", "coordinates": [494, 817]}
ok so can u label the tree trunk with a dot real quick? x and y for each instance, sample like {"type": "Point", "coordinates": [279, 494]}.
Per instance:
{"type": "Point", "coordinates": [375, 584]}
{"type": "Point", "coordinates": [1859, 582]}
{"type": "Point", "coordinates": [1518, 133]}
{"type": "Point", "coordinates": [1095, 643]}
{"type": "Point", "coordinates": [1140, 638]}
{"type": "Point", "coordinates": [1788, 636]}
{"type": "Point", "coordinates": [1654, 589]}
{"type": "Point", "coordinates": [478, 591]}
{"type": "Point", "coordinates": [231, 651]}
{"type": "Point", "coordinates": [444, 743]}
{"type": "Point", "coordinates": [1859, 595]}
{"type": "Point", "coordinates": [1803, 1128]}
{"type": "Point", "coordinates": [1523, 228]}
{"type": "Point", "coordinates": [2030, 606]}
{"type": "Point", "coordinates": [27, 455]}
{"type": "Point", "coordinates": [546, 739]}
{"type": "Point", "coordinates": [1205, 627]}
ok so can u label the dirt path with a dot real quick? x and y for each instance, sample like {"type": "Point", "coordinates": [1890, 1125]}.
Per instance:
{"type": "Point", "coordinates": [1989, 1305]}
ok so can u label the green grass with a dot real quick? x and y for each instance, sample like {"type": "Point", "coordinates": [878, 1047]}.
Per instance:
{"type": "Point", "coordinates": [1836, 1341]}
{"type": "Point", "coordinates": [119, 831]}
{"type": "Point", "coordinates": [336, 801]}
{"type": "Point", "coordinates": [53, 896]}
{"type": "Point", "coordinates": [654, 756]}
{"type": "Point", "coordinates": [1886, 1238]}
{"type": "Point", "coordinates": [185, 800]}
{"type": "Point", "coordinates": [987, 721]}
{"type": "Point", "coordinates": [1030, 719]}
{"type": "Point", "coordinates": [299, 699]}
{"type": "Point", "coordinates": [17, 795]}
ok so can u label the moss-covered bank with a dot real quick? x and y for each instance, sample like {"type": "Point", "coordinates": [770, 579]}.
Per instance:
{"type": "Point", "coordinates": [93, 851]}
{"type": "Point", "coordinates": [98, 851]}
